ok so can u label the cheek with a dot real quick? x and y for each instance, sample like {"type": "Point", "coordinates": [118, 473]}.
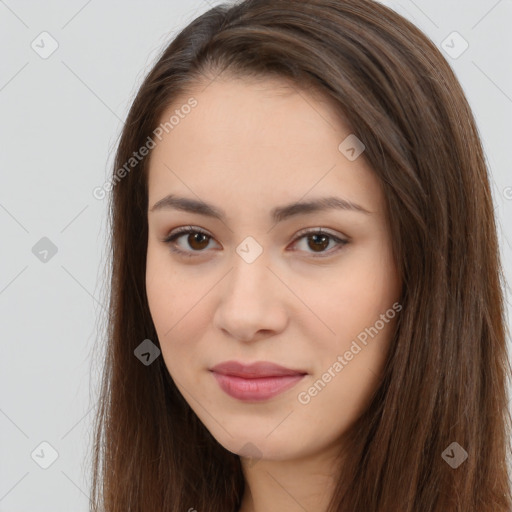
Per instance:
{"type": "Point", "coordinates": [175, 307]}
{"type": "Point", "coordinates": [342, 400]}
{"type": "Point", "coordinates": [350, 370]}
{"type": "Point", "coordinates": [171, 293]}
{"type": "Point", "coordinates": [359, 309]}
{"type": "Point", "coordinates": [356, 295]}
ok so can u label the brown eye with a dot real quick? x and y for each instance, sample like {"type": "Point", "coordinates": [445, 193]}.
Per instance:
{"type": "Point", "coordinates": [319, 242]}
{"type": "Point", "coordinates": [197, 240]}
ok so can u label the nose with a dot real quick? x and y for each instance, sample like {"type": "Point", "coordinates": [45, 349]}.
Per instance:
{"type": "Point", "coordinates": [251, 301]}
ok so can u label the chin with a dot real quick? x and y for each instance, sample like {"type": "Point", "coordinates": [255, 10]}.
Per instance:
{"type": "Point", "coordinates": [259, 445]}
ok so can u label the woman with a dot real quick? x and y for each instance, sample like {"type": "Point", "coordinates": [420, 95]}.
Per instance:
{"type": "Point", "coordinates": [306, 309]}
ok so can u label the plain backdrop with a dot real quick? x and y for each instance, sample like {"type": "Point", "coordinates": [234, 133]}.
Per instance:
{"type": "Point", "coordinates": [61, 114]}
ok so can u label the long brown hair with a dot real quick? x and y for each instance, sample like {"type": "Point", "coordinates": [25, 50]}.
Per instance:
{"type": "Point", "coordinates": [445, 378]}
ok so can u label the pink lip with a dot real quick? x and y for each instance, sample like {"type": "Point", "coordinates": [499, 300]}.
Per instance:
{"type": "Point", "coordinates": [256, 381]}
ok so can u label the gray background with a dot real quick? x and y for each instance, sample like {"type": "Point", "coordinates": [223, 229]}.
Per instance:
{"type": "Point", "coordinates": [60, 119]}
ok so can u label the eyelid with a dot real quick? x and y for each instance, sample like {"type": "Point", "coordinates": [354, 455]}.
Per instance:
{"type": "Point", "coordinates": [187, 229]}
{"type": "Point", "coordinates": [315, 230]}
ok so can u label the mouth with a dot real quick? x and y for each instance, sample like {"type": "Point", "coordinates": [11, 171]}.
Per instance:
{"type": "Point", "coordinates": [257, 381]}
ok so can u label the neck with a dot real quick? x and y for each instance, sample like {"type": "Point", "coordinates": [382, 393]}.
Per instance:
{"type": "Point", "coordinates": [291, 485]}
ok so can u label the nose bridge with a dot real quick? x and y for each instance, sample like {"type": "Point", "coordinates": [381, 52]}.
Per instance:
{"type": "Point", "coordinates": [249, 300]}
{"type": "Point", "coordinates": [250, 272]}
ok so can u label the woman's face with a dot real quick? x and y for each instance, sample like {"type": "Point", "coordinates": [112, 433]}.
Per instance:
{"type": "Point", "coordinates": [256, 281]}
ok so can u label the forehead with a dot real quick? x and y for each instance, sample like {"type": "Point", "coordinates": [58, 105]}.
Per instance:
{"type": "Point", "coordinates": [256, 136]}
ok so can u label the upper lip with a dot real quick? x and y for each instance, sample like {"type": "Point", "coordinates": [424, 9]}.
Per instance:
{"type": "Point", "coordinates": [254, 370]}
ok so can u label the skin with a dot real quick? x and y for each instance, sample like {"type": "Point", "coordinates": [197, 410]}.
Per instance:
{"type": "Point", "coordinates": [249, 146]}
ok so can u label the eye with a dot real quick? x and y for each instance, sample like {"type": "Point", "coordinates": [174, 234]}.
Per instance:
{"type": "Point", "coordinates": [197, 239]}
{"type": "Point", "coordinates": [317, 239]}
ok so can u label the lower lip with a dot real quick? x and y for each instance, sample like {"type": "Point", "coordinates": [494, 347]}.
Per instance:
{"type": "Point", "coordinates": [255, 389]}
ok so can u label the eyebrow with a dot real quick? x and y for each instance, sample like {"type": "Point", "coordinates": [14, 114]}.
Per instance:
{"type": "Point", "coordinates": [278, 214]}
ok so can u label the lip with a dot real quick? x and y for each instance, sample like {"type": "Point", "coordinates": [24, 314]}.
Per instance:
{"type": "Point", "coordinates": [256, 381]}
{"type": "Point", "coordinates": [254, 370]}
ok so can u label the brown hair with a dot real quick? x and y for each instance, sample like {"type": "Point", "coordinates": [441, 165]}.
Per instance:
{"type": "Point", "coordinates": [445, 378]}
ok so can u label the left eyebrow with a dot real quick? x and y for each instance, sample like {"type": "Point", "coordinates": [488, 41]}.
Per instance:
{"type": "Point", "coordinates": [277, 214]}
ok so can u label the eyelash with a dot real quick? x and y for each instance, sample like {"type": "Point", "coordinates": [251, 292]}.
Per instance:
{"type": "Point", "coordinates": [169, 240]}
